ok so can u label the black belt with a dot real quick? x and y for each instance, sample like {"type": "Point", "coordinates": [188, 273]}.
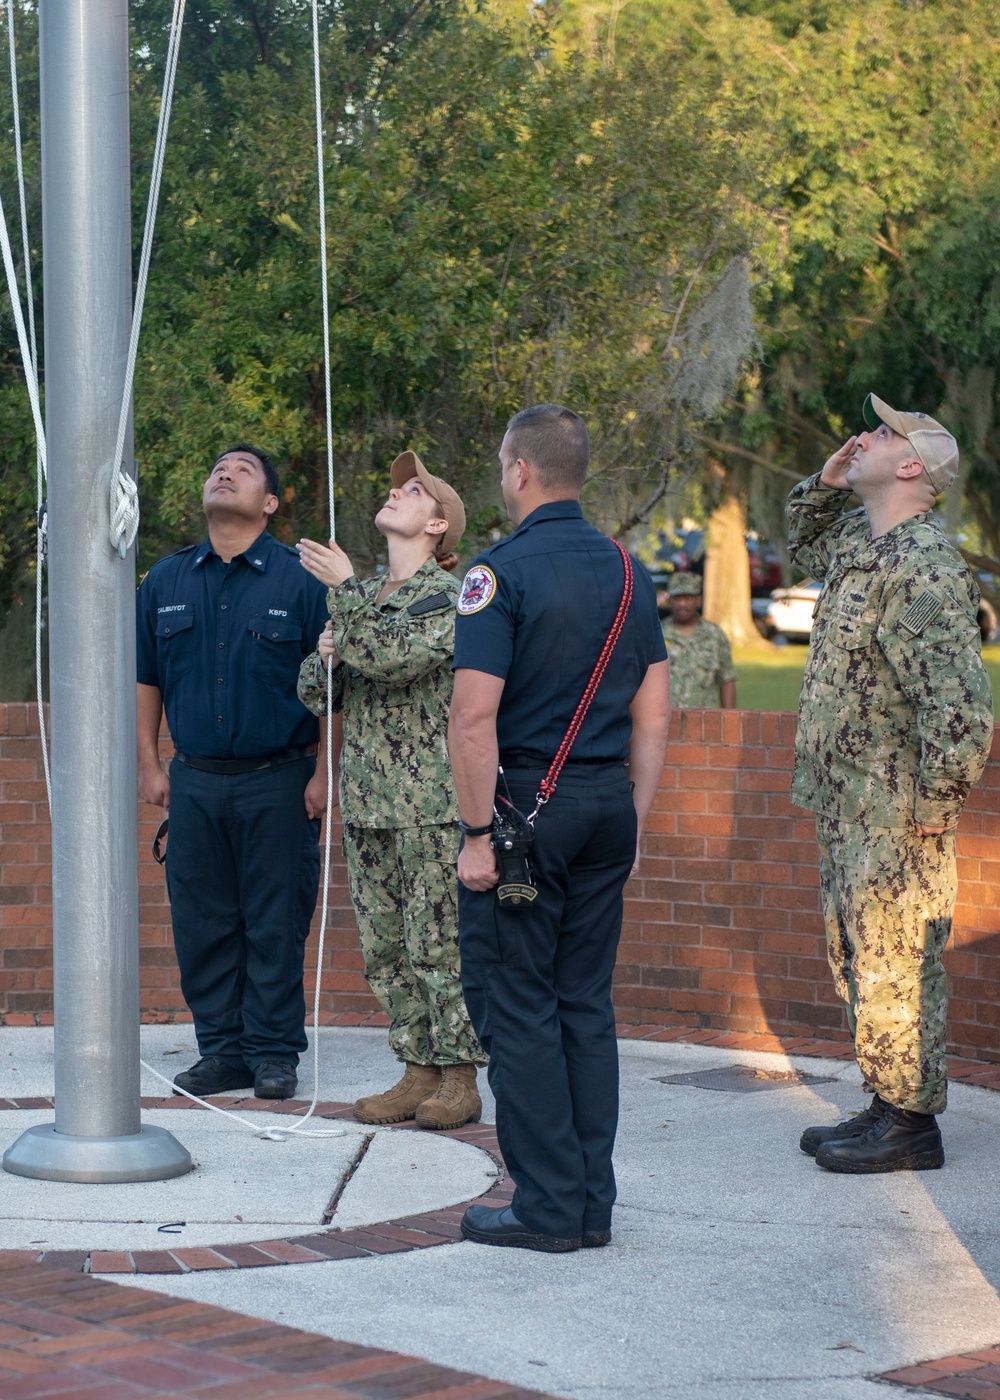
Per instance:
{"type": "Point", "coordinates": [246, 765]}
{"type": "Point", "coordinates": [529, 760]}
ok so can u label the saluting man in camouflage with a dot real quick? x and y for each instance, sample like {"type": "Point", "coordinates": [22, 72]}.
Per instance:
{"type": "Point", "coordinates": [390, 642]}
{"type": "Point", "coordinates": [702, 675]}
{"type": "Point", "coordinates": [895, 723]}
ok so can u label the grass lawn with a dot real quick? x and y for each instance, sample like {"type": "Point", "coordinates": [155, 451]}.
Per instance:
{"type": "Point", "coordinates": [770, 680]}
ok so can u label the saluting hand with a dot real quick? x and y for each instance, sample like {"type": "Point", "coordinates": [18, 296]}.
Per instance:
{"type": "Point", "coordinates": [331, 566]}
{"type": "Point", "coordinates": [835, 468]}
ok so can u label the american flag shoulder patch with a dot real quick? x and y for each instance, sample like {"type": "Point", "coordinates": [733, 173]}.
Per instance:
{"type": "Point", "coordinates": [924, 608]}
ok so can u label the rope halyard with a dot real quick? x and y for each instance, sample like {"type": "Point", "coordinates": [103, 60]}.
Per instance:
{"type": "Point", "coordinates": [276, 1134]}
{"type": "Point", "coordinates": [328, 408]}
{"type": "Point", "coordinates": [124, 501]}
{"type": "Point", "coordinates": [124, 504]}
{"type": "Point", "coordinates": [31, 376]}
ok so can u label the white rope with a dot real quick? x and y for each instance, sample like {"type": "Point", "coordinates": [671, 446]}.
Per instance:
{"type": "Point", "coordinates": [20, 184]}
{"type": "Point", "coordinates": [31, 373]}
{"type": "Point", "coordinates": [274, 1134]}
{"type": "Point", "coordinates": [30, 377]}
{"type": "Point", "coordinates": [325, 303]}
{"type": "Point", "coordinates": [324, 289]}
{"type": "Point", "coordinates": [124, 509]}
{"type": "Point", "coordinates": [269, 1134]}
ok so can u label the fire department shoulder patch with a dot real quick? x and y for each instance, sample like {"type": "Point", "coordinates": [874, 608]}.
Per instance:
{"type": "Point", "coordinates": [478, 588]}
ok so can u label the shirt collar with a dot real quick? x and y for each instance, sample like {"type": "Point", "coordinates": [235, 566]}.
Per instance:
{"type": "Point", "coordinates": [256, 555]}
{"type": "Point", "coordinates": [870, 550]}
{"type": "Point", "coordinates": [552, 510]}
{"type": "Point", "coordinates": [403, 595]}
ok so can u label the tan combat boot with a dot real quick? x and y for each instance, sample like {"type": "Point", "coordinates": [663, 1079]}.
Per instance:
{"type": "Point", "coordinates": [400, 1102]}
{"type": "Point", "coordinates": [456, 1102]}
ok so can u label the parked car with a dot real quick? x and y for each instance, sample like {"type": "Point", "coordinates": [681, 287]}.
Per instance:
{"type": "Point", "coordinates": [686, 550]}
{"type": "Point", "coordinates": [788, 613]}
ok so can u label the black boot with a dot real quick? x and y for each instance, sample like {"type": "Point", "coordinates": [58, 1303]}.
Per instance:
{"type": "Point", "coordinates": [899, 1142]}
{"type": "Point", "coordinates": [813, 1138]}
{"type": "Point", "coordinates": [212, 1075]}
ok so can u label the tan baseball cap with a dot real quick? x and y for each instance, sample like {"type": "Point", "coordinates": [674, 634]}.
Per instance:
{"type": "Point", "coordinates": [932, 443]}
{"type": "Point", "coordinates": [408, 465]}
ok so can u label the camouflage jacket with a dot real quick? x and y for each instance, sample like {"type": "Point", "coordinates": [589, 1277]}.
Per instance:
{"type": "Point", "coordinates": [699, 663]}
{"type": "Point", "coordinates": [394, 687]}
{"type": "Point", "coordinates": [896, 713]}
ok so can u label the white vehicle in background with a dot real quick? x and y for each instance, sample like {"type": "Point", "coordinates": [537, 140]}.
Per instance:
{"type": "Point", "coordinates": [788, 613]}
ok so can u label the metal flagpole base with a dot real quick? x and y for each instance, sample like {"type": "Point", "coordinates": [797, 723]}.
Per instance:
{"type": "Point", "coordinates": [152, 1154]}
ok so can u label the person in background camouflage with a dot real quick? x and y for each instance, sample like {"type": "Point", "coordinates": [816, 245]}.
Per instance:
{"type": "Point", "coordinates": [895, 724]}
{"type": "Point", "coordinates": [390, 642]}
{"type": "Point", "coordinates": [702, 675]}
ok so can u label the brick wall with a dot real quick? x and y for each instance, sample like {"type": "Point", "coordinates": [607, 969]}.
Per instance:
{"type": "Point", "coordinates": [722, 926]}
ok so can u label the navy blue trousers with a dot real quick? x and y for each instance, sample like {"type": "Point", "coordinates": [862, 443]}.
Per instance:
{"type": "Point", "coordinates": [243, 876]}
{"type": "Point", "coordinates": [537, 986]}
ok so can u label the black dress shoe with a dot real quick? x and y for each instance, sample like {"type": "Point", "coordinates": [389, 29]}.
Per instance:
{"type": "Point", "coordinates": [275, 1079]}
{"type": "Point", "coordinates": [214, 1076]}
{"type": "Point", "coordinates": [898, 1142]}
{"type": "Point", "coordinates": [596, 1239]}
{"type": "Point", "coordinates": [488, 1226]}
{"type": "Point", "coordinates": [813, 1138]}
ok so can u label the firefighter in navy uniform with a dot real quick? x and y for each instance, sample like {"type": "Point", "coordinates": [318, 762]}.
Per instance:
{"type": "Point", "coordinates": [223, 628]}
{"type": "Point", "coordinates": [534, 613]}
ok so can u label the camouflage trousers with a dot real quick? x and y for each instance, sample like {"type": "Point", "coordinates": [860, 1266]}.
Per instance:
{"type": "Point", "coordinates": [404, 889]}
{"type": "Point", "coordinates": [888, 897]}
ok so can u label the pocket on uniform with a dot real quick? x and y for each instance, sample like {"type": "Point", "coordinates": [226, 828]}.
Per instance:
{"type": "Point", "coordinates": [854, 634]}
{"type": "Point", "coordinates": [276, 646]}
{"type": "Point", "coordinates": [175, 640]}
{"type": "Point", "coordinates": [485, 931]}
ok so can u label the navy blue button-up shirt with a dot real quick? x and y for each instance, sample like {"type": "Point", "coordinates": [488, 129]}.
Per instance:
{"type": "Point", "coordinates": [224, 643]}
{"type": "Point", "coordinates": [536, 610]}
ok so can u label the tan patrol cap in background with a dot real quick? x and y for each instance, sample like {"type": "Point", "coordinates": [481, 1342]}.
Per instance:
{"type": "Point", "coordinates": [408, 465]}
{"type": "Point", "coordinates": [932, 443]}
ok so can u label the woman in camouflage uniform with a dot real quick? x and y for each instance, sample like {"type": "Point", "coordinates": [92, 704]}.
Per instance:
{"type": "Point", "coordinates": [389, 643]}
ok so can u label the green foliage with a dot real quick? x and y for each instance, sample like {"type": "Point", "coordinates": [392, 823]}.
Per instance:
{"type": "Point", "coordinates": [506, 223]}
{"type": "Point", "coordinates": [882, 142]}
{"type": "Point", "coordinates": [575, 201]}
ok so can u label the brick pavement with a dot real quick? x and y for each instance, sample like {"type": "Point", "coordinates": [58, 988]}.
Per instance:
{"type": "Point", "coordinates": [972, 1376]}
{"type": "Point", "coordinates": [380, 1375]}
{"type": "Point", "coordinates": [398, 1236]}
{"type": "Point", "coordinates": [429, 1228]}
{"type": "Point", "coordinates": [65, 1334]}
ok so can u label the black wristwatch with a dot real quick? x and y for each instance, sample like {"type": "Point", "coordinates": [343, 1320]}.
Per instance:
{"type": "Point", "coordinates": [468, 830]}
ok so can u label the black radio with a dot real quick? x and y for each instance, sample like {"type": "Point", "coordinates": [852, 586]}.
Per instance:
{"type": "Point", "coordinates": [511, 841]}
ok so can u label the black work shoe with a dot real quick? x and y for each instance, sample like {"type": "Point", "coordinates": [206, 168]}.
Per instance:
{"type": "Point", "coordinates": [214, 1076]}
{"type": "Point", "coordinates": [502, 1227]}
{"type": "Point", "coordinates": [813, 1138]}
{"type": "Point", "coordinates": [898, 1142]}
{"type": "Point", "coordinates": [275, 1079]}
{"type": "Point", "coordinates": [596, 1239]}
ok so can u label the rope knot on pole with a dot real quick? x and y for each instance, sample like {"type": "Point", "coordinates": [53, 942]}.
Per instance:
{"type": "Point", "coordinates": [124, 511]}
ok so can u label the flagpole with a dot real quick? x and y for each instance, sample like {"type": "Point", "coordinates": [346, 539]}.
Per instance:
{"type": "Point", "coordinates": [97, 1135]}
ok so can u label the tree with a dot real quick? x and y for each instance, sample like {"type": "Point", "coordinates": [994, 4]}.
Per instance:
{"type": "Point", "coordinates": [883, 138]}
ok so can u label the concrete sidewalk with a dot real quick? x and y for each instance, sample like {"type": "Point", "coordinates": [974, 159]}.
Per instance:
{"type": "Point", "coordinates": [739, 1269]}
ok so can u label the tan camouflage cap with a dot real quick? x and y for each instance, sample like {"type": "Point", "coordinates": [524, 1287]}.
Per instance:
{"type": "Point", "coordinates": [408, 465]}
{"type": "Point", "coordinates": [683, 584]}
{"type": "Point", "coordinates": [932, 443]}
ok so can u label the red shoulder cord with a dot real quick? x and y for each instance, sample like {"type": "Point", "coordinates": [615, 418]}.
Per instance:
{"type": "Point", "coordinates": [548, 784]}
